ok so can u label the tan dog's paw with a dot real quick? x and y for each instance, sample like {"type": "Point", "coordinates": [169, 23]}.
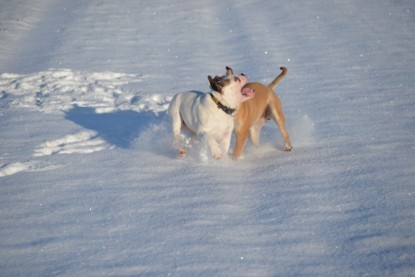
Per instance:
{"type": "Point", "coordinates": [288, 147]}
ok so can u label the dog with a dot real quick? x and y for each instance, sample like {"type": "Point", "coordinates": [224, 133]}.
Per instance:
{"type": "Point", "coordinates": [252, 114]}
{"type": "Point", "coordinates": [209, 115]}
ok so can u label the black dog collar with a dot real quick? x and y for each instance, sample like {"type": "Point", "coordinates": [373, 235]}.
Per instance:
{"type": "Point", "coordinates": [224, 108]}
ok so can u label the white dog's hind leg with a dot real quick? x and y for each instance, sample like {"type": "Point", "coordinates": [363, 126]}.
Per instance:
{"type": "Point", "coordinates": [178, 140]}
{"type": "Point", "coordinates": [176, 121]}
{"type": "Point", "coordinates": [176, 127]}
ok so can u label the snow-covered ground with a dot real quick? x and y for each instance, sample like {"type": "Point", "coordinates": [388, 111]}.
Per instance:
{"type": "Point", "coordinates": [90, 184]}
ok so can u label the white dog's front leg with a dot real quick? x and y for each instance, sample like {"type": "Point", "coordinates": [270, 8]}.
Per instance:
{"type": "Point", "coordinates": [226, 141]}
{"type": "Point", "coordinates": [214, 148]}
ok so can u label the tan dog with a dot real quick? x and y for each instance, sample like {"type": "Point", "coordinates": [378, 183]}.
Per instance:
{"type": "Point", "coordinates": [253, 113]}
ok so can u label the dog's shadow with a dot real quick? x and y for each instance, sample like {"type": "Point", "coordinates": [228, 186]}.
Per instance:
{"type": "Point", "coordinates": [118, 128]}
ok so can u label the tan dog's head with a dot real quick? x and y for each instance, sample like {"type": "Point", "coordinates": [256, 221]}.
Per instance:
{"type": "Point", "coordinates": [232, 87]}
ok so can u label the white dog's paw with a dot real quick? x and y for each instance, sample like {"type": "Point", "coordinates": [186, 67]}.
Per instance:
{"type": "Point", "coordinates": [181, 153]}
{"type": "Point", "coordinates": [217, 155]}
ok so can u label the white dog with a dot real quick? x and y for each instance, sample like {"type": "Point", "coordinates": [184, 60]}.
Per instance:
{"type": "Point", "coordinates": [209, 116]}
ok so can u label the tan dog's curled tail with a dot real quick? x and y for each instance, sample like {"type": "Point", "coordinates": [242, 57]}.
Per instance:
{"type": "Point", "coordinates": [274, 83]}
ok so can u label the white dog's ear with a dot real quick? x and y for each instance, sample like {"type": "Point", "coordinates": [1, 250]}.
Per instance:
{"type": "Point", "coordinates": [229, 71]}
{"type": "Point", "coordinates": [216, 84]}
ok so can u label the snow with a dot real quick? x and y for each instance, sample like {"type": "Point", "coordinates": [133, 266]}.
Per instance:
{"type": "Point", "coordinates": [90, 184]}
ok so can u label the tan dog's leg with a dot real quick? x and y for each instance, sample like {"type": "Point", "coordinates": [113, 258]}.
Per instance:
{"type": "Point", "coordinates": [240, 143]}
{"type": "Point", "coordinates": [255, 131]}
{"type": "Point", "coordinates": [277, 114]}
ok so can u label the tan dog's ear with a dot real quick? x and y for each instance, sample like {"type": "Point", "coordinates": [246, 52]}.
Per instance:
{"type": "Point", "coordinates": [216, 84]}
{"type": "Point", "coordinates": [229, 71]}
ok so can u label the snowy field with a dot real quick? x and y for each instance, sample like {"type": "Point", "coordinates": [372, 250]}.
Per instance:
{"type": "Point", "coordinates": [90, 184]}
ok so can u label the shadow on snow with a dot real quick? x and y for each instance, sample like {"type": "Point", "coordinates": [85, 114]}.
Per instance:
{"type": "Point", "coordinates": [118, 128]}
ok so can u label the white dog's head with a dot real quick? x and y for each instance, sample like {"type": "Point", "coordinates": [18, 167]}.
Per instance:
{"type": "Point", "coordinates": [232, 87]}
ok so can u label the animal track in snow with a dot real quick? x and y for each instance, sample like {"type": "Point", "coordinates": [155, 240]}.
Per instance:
{"type": "Point", "coordinates": [59, 90]}
{"type": "Point", "coordinates": [16, 167]}
{"type": "Point", "coordinates": [82, 142]}
{"type": "Point", "coordinates": [12, 168]}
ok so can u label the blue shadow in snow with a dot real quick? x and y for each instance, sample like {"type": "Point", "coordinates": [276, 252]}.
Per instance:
{"type": "Point", "coordinates": [119, 128]}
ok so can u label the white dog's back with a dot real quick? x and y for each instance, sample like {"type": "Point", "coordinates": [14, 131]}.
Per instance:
{"type": "Point", "coordinates": [197, 112]}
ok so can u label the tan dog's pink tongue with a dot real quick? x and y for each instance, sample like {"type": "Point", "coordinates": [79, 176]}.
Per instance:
{"type": "Point", "coordinates": [247, 91]}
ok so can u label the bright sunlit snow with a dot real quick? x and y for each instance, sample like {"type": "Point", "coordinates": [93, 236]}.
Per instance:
{"type": "Point", "coordinates": [90, 184]}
